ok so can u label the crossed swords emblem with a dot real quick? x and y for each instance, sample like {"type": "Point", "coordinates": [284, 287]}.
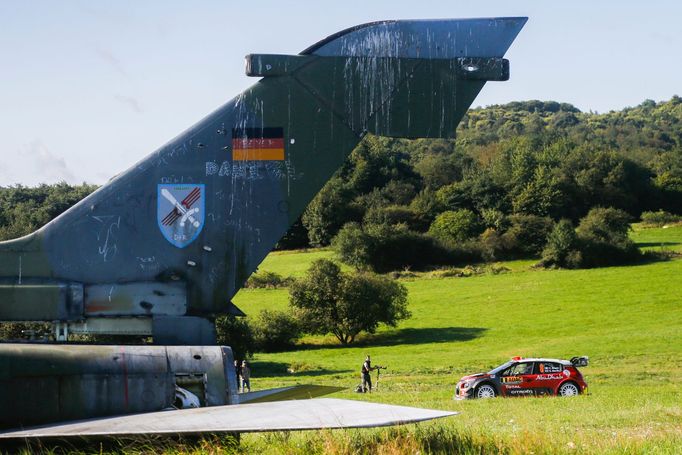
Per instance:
{"type": "Point", "coordinates": [182, 210]}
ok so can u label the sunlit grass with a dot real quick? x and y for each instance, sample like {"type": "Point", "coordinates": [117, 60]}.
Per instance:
{"type": "Point", "coordinates": [627, 319]}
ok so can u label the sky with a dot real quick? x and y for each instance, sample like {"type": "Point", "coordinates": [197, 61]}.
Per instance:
{"type": "Point", "coordinates": [88, 88]}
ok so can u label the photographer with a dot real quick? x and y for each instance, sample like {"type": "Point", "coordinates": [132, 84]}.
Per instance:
{"type": "Point", "coordinates": [367, 368]}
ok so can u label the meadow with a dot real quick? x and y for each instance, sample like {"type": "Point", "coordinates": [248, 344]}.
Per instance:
{"type": "Point", "coordinates": [628, 320]}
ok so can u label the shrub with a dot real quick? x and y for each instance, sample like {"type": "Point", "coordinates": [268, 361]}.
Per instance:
{"type": "Point", "coordinates": [495, 219]}
{"type": "Point", "coordinates": [354, 247]}
{"type": "Point", "coordinates": [275, 331]}
{"type": "Point", "coordinates": [659, 218]}
{"type": "Point", "coordinates": [563, 248]}
{"type": "Point", "coordinates": [526, 236]}
{"type": "Point", "coordinates": [265, 279]}
{"type": "Point", "coordinates": [605, 225]}
{"type": "Point", "coordinates": [397, 214]}
{"type": "Point", "coordinates": [603, 234]}
{"type": "Point", "coordinates": [383, 248]}
{"type": "Point", "coordinates": [456, 226]}
{"type": "Point", "coordinates": [327, 212]}
{"type": "Point", "coordinates": [426, 205]}
{"type": "Point", "coordinates": [236, 333]}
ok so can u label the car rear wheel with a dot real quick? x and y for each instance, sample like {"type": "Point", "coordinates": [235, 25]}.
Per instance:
{"type": "Point", "coordinates": [485, 391]}
{"type": "Point", "coordinates": [568, 389]}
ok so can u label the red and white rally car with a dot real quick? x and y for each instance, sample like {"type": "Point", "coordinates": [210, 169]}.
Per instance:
{"type": "Point", "coordinates": [525, 377]}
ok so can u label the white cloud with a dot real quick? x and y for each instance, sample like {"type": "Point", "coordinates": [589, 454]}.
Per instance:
{"type": "Point", "coordinates": [35, 164]}
{"type": "Point", "coordinates": [129, 101]}
{"type": "Point", "coordinates": [109, 57]}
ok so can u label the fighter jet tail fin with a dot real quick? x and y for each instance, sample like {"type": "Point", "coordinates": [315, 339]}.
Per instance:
{"type": "Point", "coordinates": [169, 242]}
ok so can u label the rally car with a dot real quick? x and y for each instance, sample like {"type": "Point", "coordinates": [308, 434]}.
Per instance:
{"type": "Point", "coordinates": [525, 377]}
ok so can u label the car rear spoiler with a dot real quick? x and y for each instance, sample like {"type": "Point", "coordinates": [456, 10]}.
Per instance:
{"type": "Point", "coordinates": [581, 361]}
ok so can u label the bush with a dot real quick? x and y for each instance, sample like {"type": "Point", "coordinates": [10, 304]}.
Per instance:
{"type": "Point", "coordinates": [604, 237]}
{"type": "Point", "coordinates": [275, 331]}
{"type": "Point", "coordinates": [327, 212]}
{"type": "Point", "coordinates": [456, 226]}
{"type": "Point", "coordinates": [495, 219]}
{"type": "Point", "coordinates": [659, 218]}
{"type": "Point", "coordinates": [563, 247]}
{"type": "Point", "coordinates": [526, 236]}
{"type": "Point", "coordinates": [330, 301]}
{"type": "Point", "coordinates": [236, 333]}
{"type": "Point", "coordinates": [384, 248]}
{"type": "Point", "coordinates": [397, 214]}
{"type": "Point", "coordinates": [601, 239]}
{"type": "Point", "coordinates": [605, 225]}
{"type": "Point", "coordinates": [426, 205]}
{"type": "Point", "coordinates": [268, 280]}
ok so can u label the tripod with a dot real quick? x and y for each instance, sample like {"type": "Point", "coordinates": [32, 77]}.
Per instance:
{"type": "Point", "coordinates": [378, 374]}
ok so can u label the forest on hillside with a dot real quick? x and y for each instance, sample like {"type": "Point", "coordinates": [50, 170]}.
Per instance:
{"type": "Point", "coordinates": [497, 191]}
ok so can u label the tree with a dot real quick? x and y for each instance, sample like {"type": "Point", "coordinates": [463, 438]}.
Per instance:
{"type": "Point", "coordinates": [604, 237]}
{"type": "Point", "coordinates": [605, 225]}
{"type": "Point", "coordinates": [330, 301]}
{"type": "Point", "coordinates": [275, 331]}
{"type": "Point", "coordinates": [236, 333]}
{"type": "Point", "coordinates": [456, 226]}
{"type": "Point", "coordinates": [354, 246]}
{"type": "Point", "coordinates": [527, 235]}
{"type": "Point", "coordinates": [562, 249]}
{"type": "Point", "coordinates": [384, 247]}
{"type": "Point", "coordinates": [327, 212]}
{"type": "Point", "coordinates": [23, 209]}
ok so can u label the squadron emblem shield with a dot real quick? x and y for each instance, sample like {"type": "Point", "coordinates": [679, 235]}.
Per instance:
{"type": "Point", "coordinates": [180, 212]}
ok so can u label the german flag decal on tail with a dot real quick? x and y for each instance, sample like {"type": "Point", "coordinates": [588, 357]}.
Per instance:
{"type": "Point", "coordinates": [258, 144]}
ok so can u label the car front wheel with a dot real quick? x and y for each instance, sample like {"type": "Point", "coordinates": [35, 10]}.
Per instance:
{"type": "Point", "coordinates": [485, 391]}
{"type": "Point", "coordinates": [568, 389]}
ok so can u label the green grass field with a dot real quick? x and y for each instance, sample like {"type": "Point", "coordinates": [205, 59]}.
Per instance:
{"type": "Point", "coordinates": [627, 319]}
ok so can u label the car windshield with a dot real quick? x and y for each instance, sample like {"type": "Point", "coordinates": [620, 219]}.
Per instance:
{"type": "Point", "coordinates": [502, 367]}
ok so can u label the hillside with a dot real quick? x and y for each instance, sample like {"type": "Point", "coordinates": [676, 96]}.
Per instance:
{"type": "Point", "coordinates": [627, 319]}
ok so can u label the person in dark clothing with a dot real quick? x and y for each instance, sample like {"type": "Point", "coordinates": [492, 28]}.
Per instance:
{"type": "Point", "coordinates": [238, 372]}
{"type": "Point", "coordinates": [365, 375]}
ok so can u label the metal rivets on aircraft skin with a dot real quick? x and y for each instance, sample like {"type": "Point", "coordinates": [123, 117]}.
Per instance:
{"type": "Point", "coordinates": [191, 263]}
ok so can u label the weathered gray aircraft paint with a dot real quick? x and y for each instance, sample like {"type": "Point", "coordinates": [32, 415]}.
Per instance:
{"type": "Point", "coordinates": [42, 383]}
{"type": "Point", "coordinates": [162, 248]}
{"type": "Point", "coordinates": [169, 242]}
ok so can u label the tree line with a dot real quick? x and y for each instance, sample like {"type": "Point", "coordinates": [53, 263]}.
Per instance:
{"type": "Point", "coordinates": [500, 188]}
{"type": "Point", "coordinates": [525, 179]}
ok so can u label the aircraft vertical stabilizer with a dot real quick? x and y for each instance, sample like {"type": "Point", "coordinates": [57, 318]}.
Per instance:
{"type": "Point", "coordinates": [162, 248]}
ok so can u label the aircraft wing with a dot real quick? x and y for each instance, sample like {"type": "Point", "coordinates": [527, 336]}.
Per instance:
{"type": "Point", "coordinates": [297, 392]}
{"type": "Point", "coordinates": [311, 414]}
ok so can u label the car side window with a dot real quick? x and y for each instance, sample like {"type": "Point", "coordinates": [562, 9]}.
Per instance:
{"type": "Point", "coordinates": [520, 369]}
{"type": "Point", "coordinates": [548, 368]}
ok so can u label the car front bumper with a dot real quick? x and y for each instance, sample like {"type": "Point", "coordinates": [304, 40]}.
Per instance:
{"type": "Point", "coordinates": [462, 393]}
